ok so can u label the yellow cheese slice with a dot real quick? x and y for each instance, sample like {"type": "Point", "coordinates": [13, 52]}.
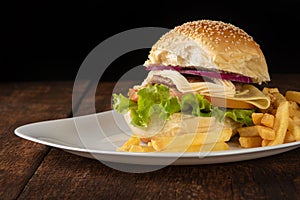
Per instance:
{"type": "Point", "coordinates": [251, 94]}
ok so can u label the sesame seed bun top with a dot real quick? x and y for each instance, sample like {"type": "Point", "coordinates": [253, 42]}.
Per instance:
{"type": "Point", "coordinates": [210, 45]}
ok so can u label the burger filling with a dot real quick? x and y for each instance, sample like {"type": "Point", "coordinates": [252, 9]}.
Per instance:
{"type": "Point", "coordinates": [165, 92]}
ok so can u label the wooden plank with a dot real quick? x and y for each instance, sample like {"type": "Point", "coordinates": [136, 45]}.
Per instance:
{"type": "Point", "coordinates": [23, 103]}
{"type": "Point", "coordinates": [65, 176]}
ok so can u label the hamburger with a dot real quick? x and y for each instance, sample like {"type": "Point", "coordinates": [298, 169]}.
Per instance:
{"type": "Point", "coordinates": [202, 75]}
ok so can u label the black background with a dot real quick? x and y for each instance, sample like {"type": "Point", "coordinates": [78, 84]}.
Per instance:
{"type": "Point", "coordinates": [48, 40]}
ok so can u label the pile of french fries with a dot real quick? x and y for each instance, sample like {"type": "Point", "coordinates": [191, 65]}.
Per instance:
{"type": "Point", "coordinates": [278, 124]}
{"type": "Point", "coordinates": [206, 138]}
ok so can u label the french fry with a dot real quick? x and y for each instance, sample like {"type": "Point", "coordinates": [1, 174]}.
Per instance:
{"type": "Point", "coordinates": [265, 142]}
{"type": "Point", "coordinates": [276, 98]}
{"type": "Point", "coordinates": [267, 120]}
{"type": "Point", "coordinates": [270, 90]}
{"type": "Point", "coordinates": [127, 145]}
{"type": "Point", "coordinates": [294, 105]}
{"type": "Point", "coordinates": [289, 137]}
{"type": "Point", "coordinates": [292, 96]}
{"type": "Point", "coordinates": [296, 114]}
{"type": "Point", "coordinates": [281, 123]}
{"type": "Point", "coordinates": [266, 132]}
{"type": "Point", "coordinates": [163, 142]}
{"type": "Point", "coordinates": [184, 124]}
{"type": "Point", "coordinates": [297, 120]}
{"type": "Point", "coordinates": [294, 109]}
{"type": "Point", "coordinates": [294, 129]}
{"type": "Point", "coordinates": [249, 131]}
{"type": "Point", "coordinates": [279, 98]}
{"type": "Point", "coordinates": [219, 146]}
{"type": "Point", "coordinates": [257, 130]}
{"type": "Point", "coordinates": [249, 142]}
{"type": "Point", "coordinates": [256, 118]}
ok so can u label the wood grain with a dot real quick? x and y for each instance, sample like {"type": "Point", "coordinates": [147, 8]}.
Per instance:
{"type": "Point", "coordinates": [65, 176]}
{"type": "Point", "coordinates": [23, 103]}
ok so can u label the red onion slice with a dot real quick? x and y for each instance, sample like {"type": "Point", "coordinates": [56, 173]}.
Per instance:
{"type": "Point", "coordinates": [209, 74]}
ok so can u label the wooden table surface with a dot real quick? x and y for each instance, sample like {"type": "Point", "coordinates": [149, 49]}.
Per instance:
{"type": "Point", "coordinates": [29, 170]}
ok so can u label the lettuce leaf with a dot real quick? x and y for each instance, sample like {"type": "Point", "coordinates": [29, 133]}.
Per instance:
{"type": "Point", "coordinates": [156, 101]}
{"type": "Point", "coordinates": [196, 105]}
{"type": "Point", "coordinates": [153, 100]}
{"type": "Point", "coordinates": [123, 104]}
{"type": "Point", "coordinates": [243, 116]}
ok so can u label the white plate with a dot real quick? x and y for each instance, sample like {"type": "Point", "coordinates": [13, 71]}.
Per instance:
{"type": "Point", "coordinates": [98, 135]}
